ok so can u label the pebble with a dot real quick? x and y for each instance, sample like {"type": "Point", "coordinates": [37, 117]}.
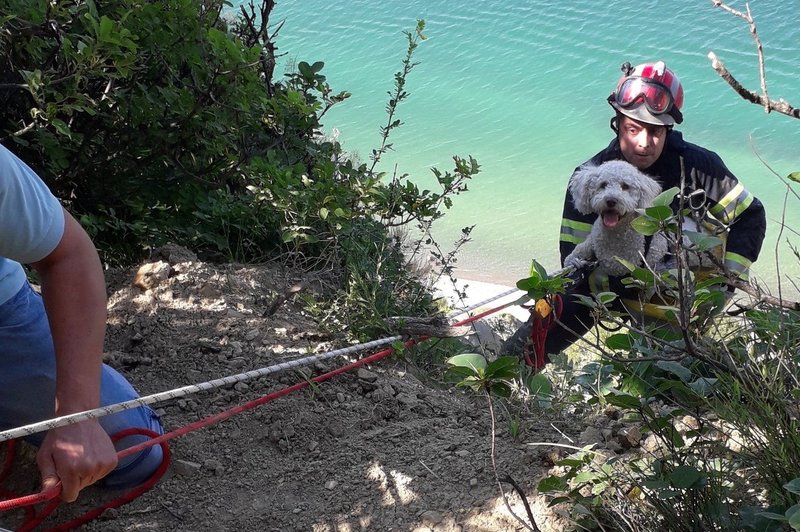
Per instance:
{"type": "Point", "coordinates": [431, 517]}
{"type": "Point", "coordinates": [367, 375]}
{"type": "Point", "coordinates": [331, 484]}
{"type": "Point", "coordinates": [185, 468]}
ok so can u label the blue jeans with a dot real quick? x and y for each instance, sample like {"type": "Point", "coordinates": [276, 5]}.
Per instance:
{"type": "Point", "coordinates": [27, 387]}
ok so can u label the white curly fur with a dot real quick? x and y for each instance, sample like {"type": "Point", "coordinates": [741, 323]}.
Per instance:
{"type": "Point", "coordinates": [614, 190]}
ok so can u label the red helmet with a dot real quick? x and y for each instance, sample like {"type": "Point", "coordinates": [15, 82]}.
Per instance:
{"type": "Point", "coordinates": [649, 93]}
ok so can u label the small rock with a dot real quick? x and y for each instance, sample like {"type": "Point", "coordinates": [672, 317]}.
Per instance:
{"type": "Point", "coordinates": [652, 444]}
{"type": "Point", "coordinates": [331, 484]}
{"type": "Point", "coordinates": [185, 468]}
{"type": "Point", "coordinates": [340, 397]}
{"type": "Point", "coordinates": [237, 362]}
{"type": "Point", "coordinates": [252, 334]}
{"type": "Point", "coordinates": [590, 435]}
{"type": "Point", "coordinates": [367, 375]}
{"type": "Point", "coordinates": [629, 436]}
{"type": "Point", "coordinates": [151, 275]}
{"type": "Point", "coordinates": [431, 517]}
{"type": "Point", "coordinates": [473, 482]}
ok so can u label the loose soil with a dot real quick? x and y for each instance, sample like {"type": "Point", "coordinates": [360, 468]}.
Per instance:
{"type": "Point", "coordinates": [372, 449]}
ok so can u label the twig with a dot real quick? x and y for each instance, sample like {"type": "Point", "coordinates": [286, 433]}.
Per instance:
{"type": "Point", "coordinates": [532, 526]}
{"type": "Point", "coordinates": [429, 470]}
{"type": "Point", "coordinates": [782, 106]}
{"type": "Point", "coordinates": [507, 479]}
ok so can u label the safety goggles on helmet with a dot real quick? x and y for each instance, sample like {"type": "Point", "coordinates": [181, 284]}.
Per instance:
{"type": "Point", "coordinates": [635, 91]}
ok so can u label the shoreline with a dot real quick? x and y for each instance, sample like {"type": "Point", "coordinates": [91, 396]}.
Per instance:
{"type": "Point", "coordinates": [479, 291]}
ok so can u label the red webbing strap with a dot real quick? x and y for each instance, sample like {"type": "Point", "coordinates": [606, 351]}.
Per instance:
{"type": "Point", "coordinates": [544, 315]}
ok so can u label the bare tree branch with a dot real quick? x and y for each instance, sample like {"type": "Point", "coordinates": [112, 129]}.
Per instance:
{"type": "Point", "coordinates": [781, 105]}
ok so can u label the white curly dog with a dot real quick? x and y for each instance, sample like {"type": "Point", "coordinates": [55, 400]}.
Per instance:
{"type": "Point", "coordinates": [614, 190]}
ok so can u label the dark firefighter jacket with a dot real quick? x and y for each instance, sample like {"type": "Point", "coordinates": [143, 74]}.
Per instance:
{"type": "Point", "coordinates": [724, 198]}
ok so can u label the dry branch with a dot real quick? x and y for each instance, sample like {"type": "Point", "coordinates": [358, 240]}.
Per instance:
{"type": "Point", "coordinates": [781, 105]}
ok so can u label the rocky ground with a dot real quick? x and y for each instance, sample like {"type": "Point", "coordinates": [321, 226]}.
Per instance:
{"type": "Point", "coordinates": [373, 449]}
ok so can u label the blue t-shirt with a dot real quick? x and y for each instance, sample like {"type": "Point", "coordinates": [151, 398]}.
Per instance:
{"type": "Point", "coordinates": [31, 221]}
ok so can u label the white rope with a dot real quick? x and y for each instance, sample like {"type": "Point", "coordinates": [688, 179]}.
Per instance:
{"type": "Point", "coordinates": [70, 419]}
{"type": "Point", "coordinates": [482, 303]}
{"type": "Point", "coordinates": [41, 426]}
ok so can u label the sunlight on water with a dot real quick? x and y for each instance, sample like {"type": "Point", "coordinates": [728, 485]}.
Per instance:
{"type": "Point", "coordinates": [521, 86]}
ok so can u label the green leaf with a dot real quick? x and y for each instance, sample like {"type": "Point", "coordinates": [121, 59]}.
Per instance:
{"type": "Point", "coordinates": [666, 197]}
{"type": "Point", "coordinates": [622, 400]}
{"type": "Point", "coordinates": [793, 514]}
{"type": "Point", "coordinates": [685, 476]}
{"type": "Point", "coordinates": [773, 516]}
{"type": "Point", "coordinates": [539, 270]}
{"type": "Point", "coordinates": [675, 368]}
{"type": "Point", "coordinates": [659, 212]}
{"type": "Point", "coordinates": [586, 476]}
{"type": "Point", "coordinates": [793, 486]}
{"type": "Point", "coordinates": [552, 484]}
{"type": "Point", "coordinates": [530, 283]}
{"type": "Point", "coordinates": [628, 264]}
{"type": "Point", "coordinates": [503, 368]}
{"type": "Point", "coordinates": [622, 342]}
{"type": "Point", "coordinates": [539, 384]}
{"type": "Point", "coordinates": [468, 360]}
{"type": "Point", "coordinates": [606, 297]}
{"type": "Point", "coordinates": [703, 241]}
{"type": "Point", "coordinates": [794, 176]}
{"type": "Point", "coordinates": [645, 226]}
{"type": "Point", "coordinates": [703, 386]}
{"type": "Point", "coordinates": [501, 389]}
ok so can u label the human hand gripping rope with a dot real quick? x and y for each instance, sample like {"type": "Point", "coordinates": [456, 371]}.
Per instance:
{"type": "Point", "coordinates": [33, 519]}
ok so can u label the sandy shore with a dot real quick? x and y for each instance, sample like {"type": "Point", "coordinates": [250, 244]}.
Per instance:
{"type": "Point", "coordinates": [478, 292]}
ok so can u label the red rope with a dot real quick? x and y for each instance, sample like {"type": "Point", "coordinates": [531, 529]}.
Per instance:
{"type": "Point", "coordinates": [157, 439]}
{"type": "Point", "coordinates": [33, 519]}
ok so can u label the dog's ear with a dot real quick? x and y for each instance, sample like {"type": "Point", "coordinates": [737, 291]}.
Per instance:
{"type": "Point", "coordinates": [648, 190]}
{"type": "Point", "coordinates": [582, 188]}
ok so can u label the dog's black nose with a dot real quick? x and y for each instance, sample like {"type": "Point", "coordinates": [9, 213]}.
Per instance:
{"type": "Point", "coordinates": [611, 203]}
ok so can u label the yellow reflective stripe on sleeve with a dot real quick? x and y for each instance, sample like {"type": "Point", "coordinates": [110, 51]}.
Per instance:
{"type": "Point", "coordinates": [732, 205]}
{"type": "Point", "coordinates": [574, 232]}
{"type": "Point", "coordinates": [738, 264]}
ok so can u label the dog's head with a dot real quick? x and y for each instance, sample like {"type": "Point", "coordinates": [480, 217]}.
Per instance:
{"type": "Point", "coordinates": [612, 190]}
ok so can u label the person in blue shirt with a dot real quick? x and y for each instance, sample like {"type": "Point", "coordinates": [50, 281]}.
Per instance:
{"type": "Point", "coordinates": [51, 345]}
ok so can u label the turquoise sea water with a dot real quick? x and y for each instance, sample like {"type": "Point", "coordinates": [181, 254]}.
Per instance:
{"type": "Point", "coordinates": [521, 86]}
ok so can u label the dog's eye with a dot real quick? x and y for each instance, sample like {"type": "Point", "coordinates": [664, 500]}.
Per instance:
{"type": "Point", "coordinates": [603, 185]}
{"type": "Point", "coordinates": [625, 186]}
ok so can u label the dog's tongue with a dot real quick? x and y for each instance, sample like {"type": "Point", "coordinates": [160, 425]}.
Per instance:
{"type": "Point", "coordinates": [611, 218]}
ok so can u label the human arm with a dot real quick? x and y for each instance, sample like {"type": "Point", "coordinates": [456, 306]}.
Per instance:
{"type": "Point", "coordinates": [733, 205]}
{"type": "Point", "coordinates": [73, 290]}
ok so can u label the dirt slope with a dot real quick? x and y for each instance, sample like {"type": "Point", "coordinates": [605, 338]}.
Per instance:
{"type": "Point", "coordinates": [373, 449]}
